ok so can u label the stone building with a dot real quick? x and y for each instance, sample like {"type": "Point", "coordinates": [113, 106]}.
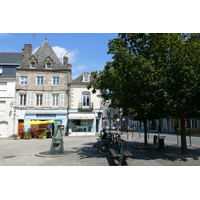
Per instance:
{"type": "Point", "coordinates": [85, 111]}
{"type": "Point", "coordinates": [42, 84]}
{"type": "Point", "coordinates": [8, 63]}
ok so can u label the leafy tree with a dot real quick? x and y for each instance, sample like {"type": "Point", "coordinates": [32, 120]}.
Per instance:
{"type": "Point", "coordinates": [153, 75]}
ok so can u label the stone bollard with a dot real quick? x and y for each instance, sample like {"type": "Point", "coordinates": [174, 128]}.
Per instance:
{"type": "Point", "coordinates": [128, 136]}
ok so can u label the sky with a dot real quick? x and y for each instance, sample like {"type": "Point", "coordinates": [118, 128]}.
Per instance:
{"type": "Point", "coordinates": [87, 52]}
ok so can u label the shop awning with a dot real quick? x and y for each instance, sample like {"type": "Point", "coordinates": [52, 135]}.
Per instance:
{"type": "Point", "coordinates": [39, 122]}
{"type": "Point", "coordinates": [81, 116]}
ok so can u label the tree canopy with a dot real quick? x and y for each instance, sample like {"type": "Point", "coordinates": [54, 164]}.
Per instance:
{"type": "Point", "coordinates": [153, 75]}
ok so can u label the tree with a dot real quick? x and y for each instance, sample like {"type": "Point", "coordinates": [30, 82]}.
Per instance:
{"type": "Point", "coordinates": [153, 75]}
{"type": "Point", "coordinates": [131, 83]}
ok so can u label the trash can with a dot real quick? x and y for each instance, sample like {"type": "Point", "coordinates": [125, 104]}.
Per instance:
{"type": "Point", "coordinates": [161, 143]}
{"type": "Point", "coordinates": [155, 139]}
{"type": "Point", "coordinates": [66, 134]}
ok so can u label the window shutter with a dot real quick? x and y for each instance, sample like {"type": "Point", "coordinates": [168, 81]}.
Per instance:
{"type": "Point", "coordinates": [49, 100]}
{"type": "Point", "coordinates": [16, 99]}
{"type": "Point", "coordinates": [61, 100]}
{"type": "Point", "coordinates": [28, 100]}
{"type": "Point", "coordinates": [32, 100]}
{"type": "Point", "coordinates": [44, 103]}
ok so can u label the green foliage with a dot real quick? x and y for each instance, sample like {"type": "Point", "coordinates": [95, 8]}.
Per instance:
{"type": "Point", "coordinates": [44, 134]}
{"type": "Point", "coordinates": [152, 75]}
{"type": "Point", "coordinates": [27, 135]}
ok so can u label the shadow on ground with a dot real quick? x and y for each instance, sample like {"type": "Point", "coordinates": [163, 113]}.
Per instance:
{"type": "Point", "coordinates": [140, 152]}
{"type": "Point", "coordinates": [89, 151]}
{"type": "Point", "coordinates": [170, 152]}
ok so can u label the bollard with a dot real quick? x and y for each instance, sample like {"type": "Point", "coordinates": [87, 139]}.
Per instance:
{"type": "Point", "coordinates": [128, 136]}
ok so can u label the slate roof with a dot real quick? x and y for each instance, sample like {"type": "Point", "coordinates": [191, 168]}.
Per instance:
{"type": "Point", "coordinates": [79, 79]}
{"type": "Point", "coordinates": [43, 52]}
{"type": "Point", "coordinates": [10, 57]}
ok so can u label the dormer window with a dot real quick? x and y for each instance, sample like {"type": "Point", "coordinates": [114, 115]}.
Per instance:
{"type": "Point", "coordinates": [48, 65]}
{"type": "Point", "coordinates": [32, 64]}
{"type": "Point", "coordinates": [86, 78]}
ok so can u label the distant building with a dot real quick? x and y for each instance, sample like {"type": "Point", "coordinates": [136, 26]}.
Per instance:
{"type": "Point", "coordinates": [41, 88]}
{"type": "Point", "coordinates": [85, 111]}
{"type": "Point", "coordinates": [8, 64]}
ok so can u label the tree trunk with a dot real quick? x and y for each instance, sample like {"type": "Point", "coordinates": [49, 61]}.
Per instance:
{"type": "Point", "coordinates": [145, 132]}
{"type": "Point", "coordinates": [183, 137]}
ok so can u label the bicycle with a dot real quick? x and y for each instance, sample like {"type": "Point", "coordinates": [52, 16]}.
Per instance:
{"type": "Point", "coordinates": [115, 142]}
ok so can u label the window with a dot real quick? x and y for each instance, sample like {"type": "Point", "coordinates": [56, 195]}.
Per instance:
{"type": "Point", "coordinates": [32, 64]}
{"type": "Point", "coordinates": [23, 80]}
{"type": "Point", "coordinates": [39, 99]}
{"type": "Point", "coordinates": [48, 66]}
{"type": "Point", "coordinates": [86, 99]}
{"type": "Point", "coordinates": [2, 107]}
{"type": "Point", "coordinates": [86, 78]}
{"type": "Point", "coordinates": [22, 99]}
{"type": "Point", "coordinates": [56, 80]}
{"type": "Point", "coordinates": [55, 100]}
{"type": "Point", "coordinates": [40, 80]}
{"type": "Point", "coordinates": [3, 86]}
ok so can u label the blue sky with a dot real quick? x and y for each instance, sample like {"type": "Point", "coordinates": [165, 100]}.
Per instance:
{"type": "Point", "coordinates": [86, 51]}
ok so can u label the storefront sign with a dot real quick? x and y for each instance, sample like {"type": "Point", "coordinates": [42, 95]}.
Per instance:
{"type": "Point", "coordinates": [45, 115]}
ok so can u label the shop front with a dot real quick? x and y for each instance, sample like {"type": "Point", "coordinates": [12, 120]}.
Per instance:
{"type": "Point", "coordinates": [82, 124]}
{"type": "Point", "coordinates": [42, 115]}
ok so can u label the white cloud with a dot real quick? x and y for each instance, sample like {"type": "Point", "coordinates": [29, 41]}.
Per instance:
{"type": "Point", "coordinates": [79, 68]}
{"type": "Point", "coordinates": [77, 71]}
{"type": "Point", "coordinates": [61, 52]}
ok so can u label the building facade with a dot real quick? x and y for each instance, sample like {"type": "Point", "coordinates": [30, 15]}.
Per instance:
{"type": "Point", "coordinates": [85, 111]}
{"type": "Point", "coordinates": [8, 64]}
{"type": "Point", "coordinates": [42, 82]}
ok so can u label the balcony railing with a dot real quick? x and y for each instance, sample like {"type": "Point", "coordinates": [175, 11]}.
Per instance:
{"type": "Point", "coordinates": [85, 106]}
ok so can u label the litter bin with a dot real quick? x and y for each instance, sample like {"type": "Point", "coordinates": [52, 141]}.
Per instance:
{"type": "Point", "coordinates": [66, 134]}
{"type": "Point", "coordinates": [161, 143]}
{"type": "Point", "coordinates": [155, 139]}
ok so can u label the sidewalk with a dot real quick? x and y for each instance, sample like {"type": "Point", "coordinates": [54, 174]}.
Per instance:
{"type": "Point", "coordinates": [169, 156]}
{"type": "Point", "coordinates": [80, 152]}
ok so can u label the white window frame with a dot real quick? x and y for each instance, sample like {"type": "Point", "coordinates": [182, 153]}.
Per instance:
{"type": "Point", "coordinates": [23, 80]}
{"type": "Point", "coordinates": [22, 100]}
{"type": "Point", "coordinates": [86, 98]}
{"type": "Point", "coordinates": [39, 100]}
{"type": "Point", "coordinates": [55, 100]}
{"type": "Point", "coordinates": [39, 80]}
{"type": "Point", "coordinates": [3, 86]}
{"type": "Point", "coordinates": [56, 80]}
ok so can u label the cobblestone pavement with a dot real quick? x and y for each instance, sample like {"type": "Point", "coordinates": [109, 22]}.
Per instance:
{"type": "Point", "coordinates": [79, 151]}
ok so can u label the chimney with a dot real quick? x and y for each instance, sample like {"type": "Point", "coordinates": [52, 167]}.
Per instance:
{"type": "Point", "coordinates": [27, 51]}
{"type": "Point", "coordinates": [65, 61]}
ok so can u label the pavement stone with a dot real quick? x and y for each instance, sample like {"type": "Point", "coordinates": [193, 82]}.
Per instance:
{"type": "Point", "coordinates": [80, 152]}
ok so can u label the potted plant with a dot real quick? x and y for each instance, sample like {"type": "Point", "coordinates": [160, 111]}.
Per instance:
{"type": "Point", "coordinates": [27, 135]}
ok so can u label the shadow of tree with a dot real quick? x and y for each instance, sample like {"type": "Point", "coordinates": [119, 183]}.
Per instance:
{"type": "Point", "coordinates": [170, 152]}
{"type": "Point", "coordinates": [140, 152]}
